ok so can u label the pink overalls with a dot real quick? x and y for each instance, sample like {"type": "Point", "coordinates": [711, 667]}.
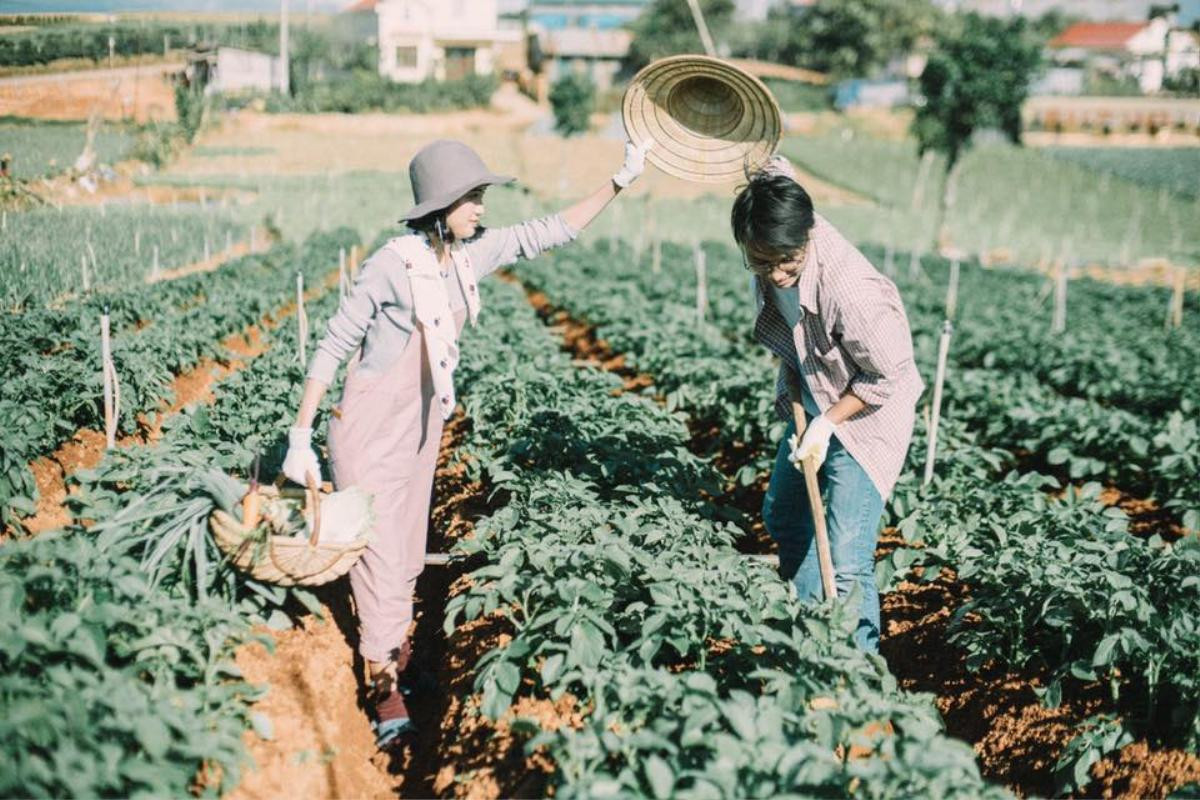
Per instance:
{"type": "Point", "coordinates": [385, 439]}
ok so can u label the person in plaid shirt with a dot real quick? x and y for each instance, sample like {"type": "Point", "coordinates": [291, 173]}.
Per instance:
{"type": "Point", "coordinates": [842, 335]}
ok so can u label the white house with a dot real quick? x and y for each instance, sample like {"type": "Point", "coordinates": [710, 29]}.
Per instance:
{"type": "Point", "coordinates": [233, 69]}
{"type": "Point", "coordinates": [439, 39]}
{"type": "Point", "coordinates": [1183, 52]}
{"type": "Point", "coordinates": [1136, 49]}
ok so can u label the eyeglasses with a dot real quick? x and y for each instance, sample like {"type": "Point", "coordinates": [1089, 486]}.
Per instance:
{"type": "Point", "coordinates": [765, 268]}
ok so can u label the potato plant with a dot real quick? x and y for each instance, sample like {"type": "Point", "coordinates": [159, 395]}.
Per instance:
{"type": "Point", "coordinates": [1058, 585]}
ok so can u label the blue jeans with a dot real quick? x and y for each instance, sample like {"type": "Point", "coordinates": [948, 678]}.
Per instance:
{"type": "Point", "coordinates": [853, 509]}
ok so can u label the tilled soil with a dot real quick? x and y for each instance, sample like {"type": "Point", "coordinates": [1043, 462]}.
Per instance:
{"type": "Point", "coordinates": [85, 449]}
{"type": "Point", "coordinates": [1018, 741]}
{"type": "Point", "coordinates": [323, 745]}
{"type": "Point", "coordinates": [142, 92]}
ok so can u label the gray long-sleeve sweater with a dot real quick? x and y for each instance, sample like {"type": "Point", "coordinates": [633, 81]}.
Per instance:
{"type": "Point", "coordinates": [378, 310]}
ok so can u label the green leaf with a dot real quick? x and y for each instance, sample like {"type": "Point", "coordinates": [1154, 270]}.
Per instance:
{"type": "Point", "coordinates": [23, 504]}
{"type": "Point", "coordinates": [508, 677]}
{"type": "Point", "coordinates": [1103, 655]}
{"type": "Point", "coordinates": [1059, 455]}
{"type": "Point", "coordinates": [153, 735]}
{"type": "Point", "coordinates": [660, 776]}
{"type": "Point", "coordinates": [262, 725]}
{"type": "Point", "coordinates": [552, 668]}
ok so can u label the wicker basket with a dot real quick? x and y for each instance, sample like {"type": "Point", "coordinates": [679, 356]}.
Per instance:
{"type": "Point", "coordinates": [274, 553]}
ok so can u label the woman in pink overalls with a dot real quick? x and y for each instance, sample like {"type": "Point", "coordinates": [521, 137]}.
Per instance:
{"type": "Point", "coordinates": [401, 322]}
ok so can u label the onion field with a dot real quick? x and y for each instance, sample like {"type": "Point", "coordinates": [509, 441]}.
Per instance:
{"type": "Point", "coordinates": [41, 148]}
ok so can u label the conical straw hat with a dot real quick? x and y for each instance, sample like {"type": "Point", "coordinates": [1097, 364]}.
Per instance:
{"type": "Point", "coordinates": [710, 121]}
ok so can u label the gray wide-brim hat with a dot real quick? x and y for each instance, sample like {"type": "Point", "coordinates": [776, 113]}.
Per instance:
{"type": "Point", "coordinates": [443, 171]}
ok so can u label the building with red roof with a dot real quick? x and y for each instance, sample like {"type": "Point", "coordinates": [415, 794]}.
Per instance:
{"type": "Point", "coordinates": [1118, 49]}
{"type": "Point", "coordinates": [1114, 37]}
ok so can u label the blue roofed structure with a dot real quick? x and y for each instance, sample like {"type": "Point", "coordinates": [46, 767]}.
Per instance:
{"type": "Point", "coordinates": [554, 15]}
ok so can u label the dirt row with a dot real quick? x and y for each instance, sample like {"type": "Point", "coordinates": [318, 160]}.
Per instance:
{"type": "Point", "coordinates": [1017, 740]}
{"type": "Point", "coordinates": [85, 449]}
{"type": "Point", "coordinates": [322, 743]}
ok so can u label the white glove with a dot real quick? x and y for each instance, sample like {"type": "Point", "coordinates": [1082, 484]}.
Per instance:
{"type": "Point", "coordinates": [301, 459]}
{"type": "Point", "coordinates": [635, 163]}
{"type": "Point", "coordinates": [814, 444]}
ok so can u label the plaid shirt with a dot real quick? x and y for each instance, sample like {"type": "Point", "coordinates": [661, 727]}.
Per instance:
{"type": "Point", "coordinates": [853, 335]}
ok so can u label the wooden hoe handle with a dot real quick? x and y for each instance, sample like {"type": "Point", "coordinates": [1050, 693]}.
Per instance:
{"type": "Point", "coordinates": [824, 556]}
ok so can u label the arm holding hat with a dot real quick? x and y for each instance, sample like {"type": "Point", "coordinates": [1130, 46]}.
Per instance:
{"type": "Point", "coordinates": [580, 215]}
{"type": "Point", "coordinates": [499, 247]}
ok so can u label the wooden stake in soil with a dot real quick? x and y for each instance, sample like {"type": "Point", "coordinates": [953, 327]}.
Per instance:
{"type": "Point", "coordinates": [228, 242]}
{"type": "Point", "coordinates": [83, 266]}
{"type": "Point", "coordinates": [137, 243]}
{"type": "Point", "coordinates": [111, 392]}
{"type": "Point", "coordinates": [1175, 309]}
{"type": "Point", "coordinates": [914, 265]}
{"type": "Point", "coordinates": [301, 319]}
{"type": "Point", "coordinates": [952, 290]}
{"type": "Point", "coordinates": [343, 278]}
{"type": "Point", "coordinates": [154, 265]}
{"type": "Point", "coordinates": [656, 255]}
{"type": "Point", "coordinates": [1059, 324]}
{"type": "Point", "coordinates": [701, 283]}
{"type": "Point", "coordinates": [3, 220]}
{"type": "Point", "coordinates": [207, 249]}
{"type": "Point", "coordinates": [639, 245]}
{"type": "Point", "coordinates": [938, 383]}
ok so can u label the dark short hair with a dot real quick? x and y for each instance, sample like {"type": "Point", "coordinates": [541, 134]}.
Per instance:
{"type": "Point", "coordinates": [427, 223]}
{"type": "Point", "coordinates": [773, 213]}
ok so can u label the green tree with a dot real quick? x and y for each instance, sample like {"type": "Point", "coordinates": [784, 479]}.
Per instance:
{"type": "Point", "coordinates": [572, 98]}
{"type": "Point", "coordinates": [189, 109]}
{"type": "Point", "coordinates": [859, 37]}
{"type": "Point", "coordinates": [845, 37]}
{"type": "Point", "coordinates": [977, 78]}
{"type": "Point", "coordinates": [666, 28]}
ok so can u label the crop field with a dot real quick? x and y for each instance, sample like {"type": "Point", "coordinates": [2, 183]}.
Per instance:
{"type": "Point", "coordinates": [53, 254]}
{"type": "Point", "coordinates": [610, 623]}
{"type": "Point", "coordinates": [40, 148]}
{"type": "Point", "coordinates": [1035, 206]}
{"type": "Point", "coordinates": [1176, 169]}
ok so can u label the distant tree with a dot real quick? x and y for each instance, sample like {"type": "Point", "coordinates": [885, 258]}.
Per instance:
{"type": "Point", "coordinates": [859, 37]}
{"type": "Point", "coordinates": [845, 37]}
{"type": "Point", "coordinates": [977, 78]}
{"type": "Point", "coordinates": [1186, 82]}
{"type": "Point", "coordinates": [1052, 23]}
{"type": "Point", "coordinates": [666, 28]}
{"type": "Point", "coordinates": [572, 98]}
